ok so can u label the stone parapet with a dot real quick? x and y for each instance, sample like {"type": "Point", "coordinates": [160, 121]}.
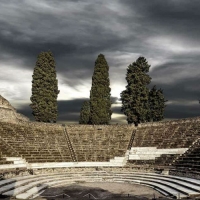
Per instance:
{"type": "Point", "coordinates": [170, 122]}
{"type": "Point", "coordinates": [41, 125]}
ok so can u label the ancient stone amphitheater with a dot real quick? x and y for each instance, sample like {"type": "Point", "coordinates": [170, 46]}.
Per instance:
{"type": "Point", "coordinates": [38, 156]}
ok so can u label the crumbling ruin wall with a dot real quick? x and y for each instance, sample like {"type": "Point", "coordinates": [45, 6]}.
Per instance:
{"type": "Point", "coordinates": [8, 113]}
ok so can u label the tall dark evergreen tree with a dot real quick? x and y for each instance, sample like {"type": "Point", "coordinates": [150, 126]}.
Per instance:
{"type": "Point", "coordinates": [156, 104]}
{"type": "Point", "coordinates": [100, 104]}
{"type": "Point", "coordinates": [85, 113]}
{"type": "Point", "coordinates": [135, 97]}
{"type": "Point", "coordinates": [44, 89]}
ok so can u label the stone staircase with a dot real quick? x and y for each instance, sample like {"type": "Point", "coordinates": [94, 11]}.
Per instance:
{"type": "Point", "coordinates": [73, 155]}
{"type": "Point", "coordinates": [131, 140]}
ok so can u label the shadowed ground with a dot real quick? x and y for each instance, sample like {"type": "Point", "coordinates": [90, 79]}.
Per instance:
{"type": "Point", "coordinates": [108, 191]}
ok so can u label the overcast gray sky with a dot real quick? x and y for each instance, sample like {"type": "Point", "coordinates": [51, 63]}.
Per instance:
{"type": "Point", "coordinates": [166, 33]}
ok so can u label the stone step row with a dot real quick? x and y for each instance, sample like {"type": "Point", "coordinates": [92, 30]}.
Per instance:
{"type": "Point", "coordinates": [27, 187]}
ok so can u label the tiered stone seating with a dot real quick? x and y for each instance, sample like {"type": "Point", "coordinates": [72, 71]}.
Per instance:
{"type": "Point", "coordinates": [165, 159]}
{"type": "Point", "coordinates": [175, 134]}
{"type": "Point", "coordinates": [166, 135]}
{"type": "Point", "coordinates": [99, 143]}
{"type": "Point", "coordinates": [3, 161]}
{"type": "Point", "coordinates": [153, 155]}
{"type": "Point", "coordinates": [35, 144]}
{"type": "Point", "coordinates": [94, 146]}
{"type": "Point", "coordinates": [29, 186]}
{"type": "Point", "coordinates": [189, 162]}
{"type": "Point", "coordinates": [5, 150]}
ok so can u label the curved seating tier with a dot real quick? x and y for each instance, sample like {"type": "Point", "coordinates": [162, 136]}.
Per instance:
{"type": "Point", "coordinates": [99, 143]}
{"type": "Point", "coordinates": [189, 161]}
{"type": "Point", "coordinates": [30, 186]}
{"type": "Point", "coordinates": [82, 144]}
{"type": "Point", "coordinates": [166, 135]}
{"type": "Point", "coordinates": [177, 134]}
{"type": "Point", "coordinates": [33, 143]}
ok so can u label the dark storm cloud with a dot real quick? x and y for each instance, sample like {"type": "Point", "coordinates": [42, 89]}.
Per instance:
{"type": "Point", "coordinates": [69, 110]}
{"type": "Point", "coordinates": [76, 39]}
{"type": "Point", "coordinates": [177, 14]}
{"type": "Point", "coordinates": [74, 35]}
{"type": "Point", "coordinates": [166, 33]}
{"type": "Point", "coordinates": [179, 80]}
{"type": "Point", "coordinates": [175, 20]}
{"type": "Point", "coordinates": [181, 111]}
{"type": "Point", "coordinates": [181, 91]}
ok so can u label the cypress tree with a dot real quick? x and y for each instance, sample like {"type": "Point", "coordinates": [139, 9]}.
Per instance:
{"type": "Point", "coordinates": [100, 104]}
{"type": "Point", "coordinates": [135, 97]}
{"type": "Point", "coordinates": [44, 89]}
{"type": "Point", "coordinates": [157, 104]}
{"type": "Point", "coordinates": [85, 113]}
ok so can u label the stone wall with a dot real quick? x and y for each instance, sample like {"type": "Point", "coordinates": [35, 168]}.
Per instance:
{"type": "Point", "coordinates": [100, 127]}
{"type": "Point", "coordinates": [10, 115]}
{"type": "Point", "coordinates": [89, 169]}
{"type": "Point", "coordinates": [5, 104]}
{"type": "Point", "coordinates": [6, 113]}
{"type": "Point", "coordinates": [21, 117]}
{"type": "Point", "coordinates": [42, 125]}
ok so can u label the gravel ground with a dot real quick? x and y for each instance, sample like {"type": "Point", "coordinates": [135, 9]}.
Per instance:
{"type": "Point", "coordinates": [101, 191]}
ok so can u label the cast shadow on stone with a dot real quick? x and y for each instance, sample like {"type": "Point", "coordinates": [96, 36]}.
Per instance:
{"type": "Point", "coordinates": [77, 192]}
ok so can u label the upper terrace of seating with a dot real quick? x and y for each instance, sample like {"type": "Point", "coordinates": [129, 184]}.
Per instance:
{"type": "Point", "coordinates": [171, 134]}
{"type": "Point", "coordinates": [35, 144]}
{"type": "Point", "coordinates": [170, 137]}
{"type": "Point", "coordinates": [40, 142]}
{"type": "Point", "coordinates": [99, 142]}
